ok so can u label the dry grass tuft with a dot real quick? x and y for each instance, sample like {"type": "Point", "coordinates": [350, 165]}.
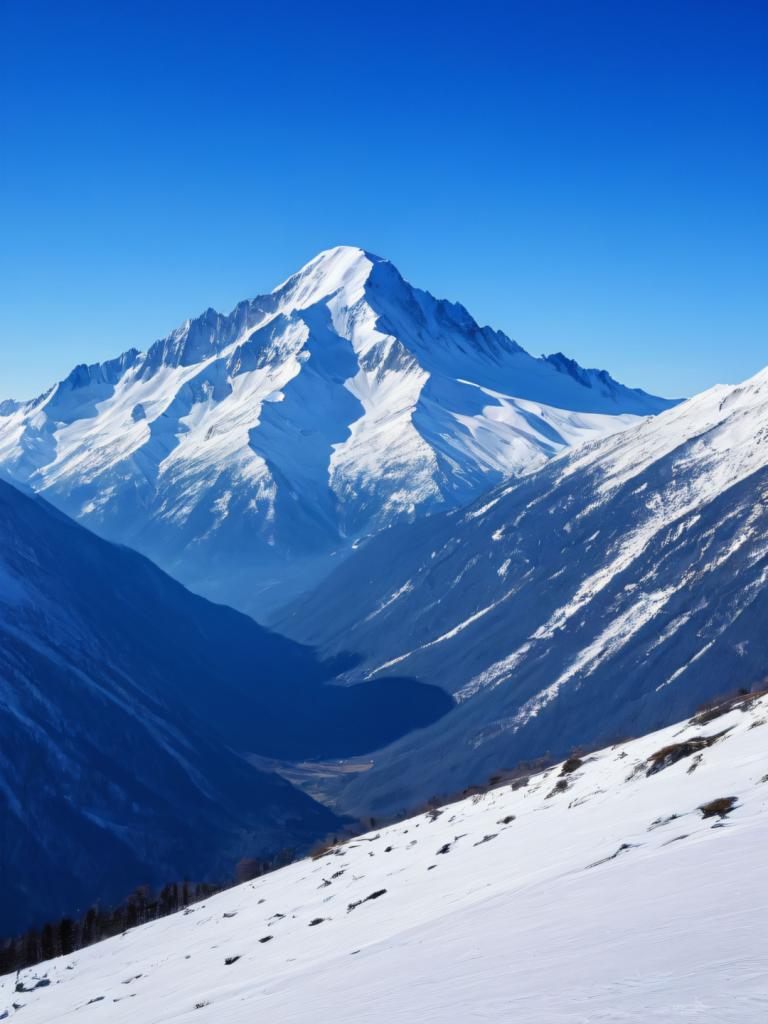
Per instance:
{"type": "Point", "coordinates": [721, 807]}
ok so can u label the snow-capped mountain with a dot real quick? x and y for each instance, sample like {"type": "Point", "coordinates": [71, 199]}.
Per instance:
{"type": "Point", "coordinates": [628, 885]}
{"type": "Point", "coordinates": [243, 452]}
{"type": "Point", "coordinates": [606, 594]}
{"type": "Point", "coordinates": [121, 698]}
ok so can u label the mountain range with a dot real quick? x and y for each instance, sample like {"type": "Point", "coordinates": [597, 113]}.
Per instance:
{"type": "Point", "coordinates": [606, 594]}
{"type": "Point", "coordinates": [467, 556]}
{"type": "Point", "coordinates": [248, 454]}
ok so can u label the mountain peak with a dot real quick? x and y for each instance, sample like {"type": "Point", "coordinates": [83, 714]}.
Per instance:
{"type": "Point", "coordinates": [304, 420]}
{"type": "Point", "coordinates": [341, 268]}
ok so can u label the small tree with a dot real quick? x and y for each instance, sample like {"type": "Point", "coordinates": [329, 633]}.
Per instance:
{"type": "Point", "coordinates": [49, 945]}
{"type": "Point", "coordinates": [67, 936]}
{"type": "Point", "coordinates": [249, 868]}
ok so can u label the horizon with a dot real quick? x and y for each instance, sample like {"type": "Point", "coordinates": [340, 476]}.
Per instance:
{"type": "Point", "coordinates": [590, 181]}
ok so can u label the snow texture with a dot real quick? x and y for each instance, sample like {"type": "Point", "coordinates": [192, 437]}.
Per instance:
{"type": "Point", "coordinates": [598, 893]}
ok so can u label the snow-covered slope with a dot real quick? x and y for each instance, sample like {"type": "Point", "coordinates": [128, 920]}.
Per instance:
{"type": "Point", "coordinates": [610, 889]}
{"type": "Point", "coordinates": [606, 594]}
{"type": "Point", "coordinates": [121, 696]}
{"type": "Point", "coordinates": [241, 452]}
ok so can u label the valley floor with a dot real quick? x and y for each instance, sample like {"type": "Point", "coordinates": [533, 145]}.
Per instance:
{"type": "Point", "coordinates": [605, 893]}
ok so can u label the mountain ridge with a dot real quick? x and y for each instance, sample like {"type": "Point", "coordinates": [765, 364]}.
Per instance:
{"type": "Point", "coordinates": [611, 590]}
{"type": "Point", "coordinates": [248, 452]}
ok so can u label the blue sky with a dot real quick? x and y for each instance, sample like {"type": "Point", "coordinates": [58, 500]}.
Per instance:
{"type": "Point", "coordinates": [588, 177]}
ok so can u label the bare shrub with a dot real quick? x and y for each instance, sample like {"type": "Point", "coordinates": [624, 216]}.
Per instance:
{"type": "Point", "coordinates": [742, 698]}
{"type": "Point", "coordinates": [675, 752]}
{"type": "Point", "coordinates": [560, 787]}
{"type": "Point", "coordinates": [720, 807]}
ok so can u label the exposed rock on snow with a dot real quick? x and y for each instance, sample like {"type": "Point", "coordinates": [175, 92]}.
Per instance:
{"type": "Point", "coordinates": [618, 900]}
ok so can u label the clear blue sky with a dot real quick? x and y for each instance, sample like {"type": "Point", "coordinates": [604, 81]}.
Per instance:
{"type": "Point", "coordinates": [589, 177]}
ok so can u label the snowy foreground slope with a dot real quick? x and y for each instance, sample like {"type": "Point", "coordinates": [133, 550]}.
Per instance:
{"type": "Point", "coordinates": [246, 453]}
{"type": "Point", "coordinates": [607, 594]}
{"type": "Point", "coordinates": [608, 892]}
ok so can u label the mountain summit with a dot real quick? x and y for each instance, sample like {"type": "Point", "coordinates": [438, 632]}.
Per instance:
{"type": "Point", "coordinates": [248, 453]}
